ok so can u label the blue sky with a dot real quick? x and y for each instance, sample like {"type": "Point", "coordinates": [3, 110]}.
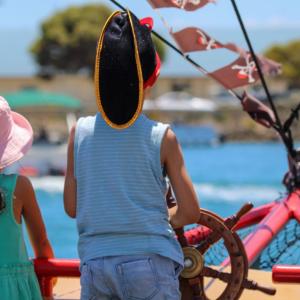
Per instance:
{"type": "Point", "coordinates": [256, 13]}
{"type": "Point", "coordinates": [269, 21]}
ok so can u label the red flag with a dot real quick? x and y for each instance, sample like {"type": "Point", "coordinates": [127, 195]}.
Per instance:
{"type": "Point", "coordinates": [258, 111]}
{"type": "Point", "coordinates": [239, 73]}
{"type": "Point", "coordinates": [268, 66]}
{"type": "Point", "coordinates": [194, 39]}
{"type": "Point", "coordinates": [243, 71]}
{"type": "Point", "coordinates": [188, 5]}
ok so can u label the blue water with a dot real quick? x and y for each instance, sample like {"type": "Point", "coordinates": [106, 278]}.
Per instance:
{"type": "Point", "coordinates": [224, 177]}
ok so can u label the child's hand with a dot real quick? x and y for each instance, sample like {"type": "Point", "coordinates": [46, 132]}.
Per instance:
{"type": "Point", "coordinates": [54, 281]}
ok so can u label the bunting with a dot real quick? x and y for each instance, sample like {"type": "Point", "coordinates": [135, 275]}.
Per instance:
{"type": "Point", "coordinates": [241, 72]}
{"type": "Point", "coordinates": [188, 5]}
{"type": "Point", "coordinates": [258, 111]}
{"type": "Point", "coordinates": [194, 39]}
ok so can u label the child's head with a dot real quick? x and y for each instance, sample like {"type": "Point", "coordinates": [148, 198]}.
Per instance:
{"type": "Point", "coordinates": [15, 137]}
{"type": "Point", "coordinates": [126, 64]}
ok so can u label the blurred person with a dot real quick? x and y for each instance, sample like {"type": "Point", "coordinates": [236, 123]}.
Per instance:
{"type": "Point", "coordinates": [115, 183]}
{"type": "Point", "coordinates": [17, 201]}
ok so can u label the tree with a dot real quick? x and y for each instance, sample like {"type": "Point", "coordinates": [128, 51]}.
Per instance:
{"type": "Point", "coordinates": [289, 56]}
{"type": "Point", "coordinates": [69, 39]}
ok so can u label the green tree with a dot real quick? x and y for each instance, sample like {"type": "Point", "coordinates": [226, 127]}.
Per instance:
{"type": "Point", "coordinates": [69, 38]}
{"type": "Point", "coordinates": [289, 56]}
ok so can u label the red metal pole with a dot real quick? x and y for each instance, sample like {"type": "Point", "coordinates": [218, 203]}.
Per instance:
{"type": "Point", "coordinates": [258, 240]}
{"type": "Point", "coordinates": [197, 234]}
{"type": "Point", "coordinates": [46, 269]}
{"type": "Point", "coordinates": [286, 274]}
{"type": "Point", "coordinates": [264, 232]}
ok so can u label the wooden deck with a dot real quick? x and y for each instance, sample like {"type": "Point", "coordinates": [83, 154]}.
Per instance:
{"type": "Point", "coordinates": [69, 288]}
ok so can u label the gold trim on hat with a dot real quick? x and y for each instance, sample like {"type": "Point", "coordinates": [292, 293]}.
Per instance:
{"type": "Point", "coordinates": [139, 72]}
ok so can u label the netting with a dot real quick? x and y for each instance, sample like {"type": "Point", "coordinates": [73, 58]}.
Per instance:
{"type": "Point", "coordinates": [284, 248]}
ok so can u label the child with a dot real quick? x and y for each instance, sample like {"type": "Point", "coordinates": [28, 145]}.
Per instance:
{"type": "Point", "coordinates": [17, 200]}
{"type": "Point", "coordinates": [115, 184]}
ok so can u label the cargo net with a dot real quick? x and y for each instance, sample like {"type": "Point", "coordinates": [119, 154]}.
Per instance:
{"type": "Point", "coordinates": [284, 248]}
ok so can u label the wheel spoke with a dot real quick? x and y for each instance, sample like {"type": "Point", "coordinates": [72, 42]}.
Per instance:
{"type": "Point", "coordinates": [210, 272]}
{"type": "Point", "coordinates": [211, 239]}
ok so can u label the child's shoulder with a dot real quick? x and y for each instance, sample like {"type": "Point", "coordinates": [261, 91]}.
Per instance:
{"type": "Point", "coordinates": [23, 183]}
{"type": "Point", "coordinates": [86, 120]}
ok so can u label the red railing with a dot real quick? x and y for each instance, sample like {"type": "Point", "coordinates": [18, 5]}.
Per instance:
{"type": "Point", "coordinates": [46, 269]}
{"type": "Point", "coordinates": [286, 274]}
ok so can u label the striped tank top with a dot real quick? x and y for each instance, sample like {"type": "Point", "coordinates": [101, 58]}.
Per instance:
{"type": "Point", "coordinates": [121, 206]}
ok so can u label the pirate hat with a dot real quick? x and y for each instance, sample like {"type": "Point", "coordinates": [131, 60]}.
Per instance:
{"type": "Point", "coordinates": [126, 63]}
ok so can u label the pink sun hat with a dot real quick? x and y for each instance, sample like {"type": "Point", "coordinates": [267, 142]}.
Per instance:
{"type": "Point", "coordinates": [16, 135]}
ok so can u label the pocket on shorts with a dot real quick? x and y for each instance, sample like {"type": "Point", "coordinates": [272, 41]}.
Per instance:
{"type": "Point", "coordinates": [177, 269]}
{"type": "Point", "coordinates": [85, 282]}
{"type": "Point", "coordinates": [85, 275]}
{"type": "Point", "coordinates": [139, 279]}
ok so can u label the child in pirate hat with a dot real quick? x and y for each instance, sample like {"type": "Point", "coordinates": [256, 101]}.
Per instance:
{"type": "Point", "coordinates": [115, 185]}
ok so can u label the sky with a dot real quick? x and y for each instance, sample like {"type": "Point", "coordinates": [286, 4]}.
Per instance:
{"type": "Point", "coordinates": [256, 13]}
{"type": "Point", "coordinates": [20, 21]}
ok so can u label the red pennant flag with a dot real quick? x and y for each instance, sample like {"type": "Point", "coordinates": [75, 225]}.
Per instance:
{"type": "Point", "coordinates": [243, 71]}
{"type": "Point", "coordinates": [258, 111]}
{"type": "Point", "coordinates": [194, 39]}
{"type": "Point", "coordinates": [189, 5]}
{"type": "Point", "coordinates": [239, 73]}
{"type": "Point", "coordinates": [268, 66]}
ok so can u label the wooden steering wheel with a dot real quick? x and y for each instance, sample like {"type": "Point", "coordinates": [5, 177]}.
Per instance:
{"type": "Point", "coordinates": [232, 273]}
{"type": "Point", "coordinates": [192, 283]}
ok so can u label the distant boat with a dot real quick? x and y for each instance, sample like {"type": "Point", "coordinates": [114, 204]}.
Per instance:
{"type": "Point", "coordinates": [179, 102]}
{"type": "Point", "coordinates": [43, 159]}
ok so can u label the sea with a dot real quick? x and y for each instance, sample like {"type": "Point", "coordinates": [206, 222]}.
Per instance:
{"type": "Point", "coordinates": [225, 177]}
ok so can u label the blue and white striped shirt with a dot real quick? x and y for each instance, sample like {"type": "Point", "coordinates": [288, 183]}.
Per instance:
{"type": "Point", "coordinates": [121, 207]}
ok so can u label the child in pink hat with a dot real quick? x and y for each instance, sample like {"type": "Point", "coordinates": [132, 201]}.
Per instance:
{"type": "Point", "coordinates": [17, 200]}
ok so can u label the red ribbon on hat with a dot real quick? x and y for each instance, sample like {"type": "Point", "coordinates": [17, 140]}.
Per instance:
{"type": "Point", "coordinates": [151, 80]}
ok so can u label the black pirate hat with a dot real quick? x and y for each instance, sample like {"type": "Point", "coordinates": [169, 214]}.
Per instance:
{"type": "Point", "coordinates": [126, 63]}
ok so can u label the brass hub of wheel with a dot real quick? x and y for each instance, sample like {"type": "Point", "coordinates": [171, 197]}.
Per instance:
{"type": "Point", "coordinates": [193, 263]}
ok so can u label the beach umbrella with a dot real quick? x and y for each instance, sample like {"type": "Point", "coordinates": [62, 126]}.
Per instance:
{"type": "Point", "coordinates": [39, 99]}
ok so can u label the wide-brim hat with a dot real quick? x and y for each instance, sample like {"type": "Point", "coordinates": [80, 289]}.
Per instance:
{"type": "Point", "coordinates": [16, 135]}
{"type": "Point", "coordinates": [126, 63]}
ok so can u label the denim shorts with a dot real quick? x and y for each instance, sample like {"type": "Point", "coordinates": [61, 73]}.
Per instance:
{"type": "Point", "coordinates": [134, 277]}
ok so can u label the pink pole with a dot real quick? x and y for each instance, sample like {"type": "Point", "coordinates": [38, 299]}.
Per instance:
{"type": "Point", "coordinates": [264, 232]}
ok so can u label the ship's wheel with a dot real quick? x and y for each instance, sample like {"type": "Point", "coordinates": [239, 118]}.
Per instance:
{"type": "Point", "coordinates": [198, 279]}
{"type": "Point", "coordinates": [197, 276]}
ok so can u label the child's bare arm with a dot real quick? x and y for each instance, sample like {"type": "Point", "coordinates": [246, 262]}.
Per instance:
{"type": "Point", "coordinates": [70, 180]}
{"type": "Point", "coordinates": [33, 218]}
{"type": "Point", "coordinates": [187, 209]}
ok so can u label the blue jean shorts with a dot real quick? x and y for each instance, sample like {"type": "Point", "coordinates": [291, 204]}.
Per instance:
{"type": "Point", "coordinates": [134, 277]}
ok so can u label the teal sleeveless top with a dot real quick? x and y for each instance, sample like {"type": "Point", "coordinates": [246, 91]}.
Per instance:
{"type": "Point", "coordinates": [121, 206]}
{"type": "Point", "coordinates": [17, 276]}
